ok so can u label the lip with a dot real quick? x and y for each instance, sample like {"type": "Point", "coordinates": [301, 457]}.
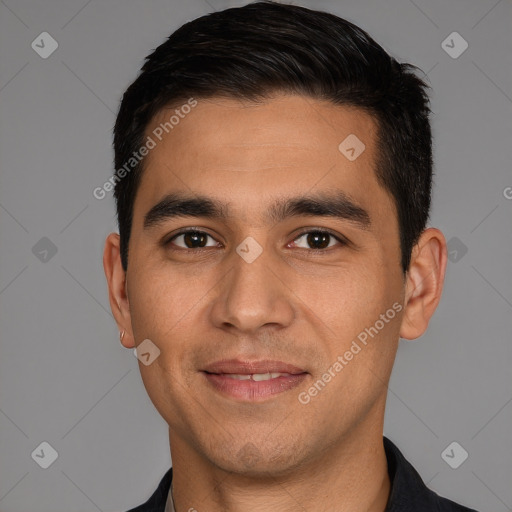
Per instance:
{"type": "Point", "coordinates": [250, 390]}
{"type": "Point", "coordinates": [249, 367]}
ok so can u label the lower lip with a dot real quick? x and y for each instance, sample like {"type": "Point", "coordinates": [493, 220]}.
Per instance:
{"type": "Point", "coordinates": [250, 390]}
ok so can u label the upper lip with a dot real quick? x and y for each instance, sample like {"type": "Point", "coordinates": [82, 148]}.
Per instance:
{"type": "Point", "coordinates": [240, 367]}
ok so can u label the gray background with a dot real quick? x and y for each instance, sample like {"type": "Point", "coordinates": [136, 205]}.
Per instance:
{"type": "Point", "coordinates": [64, 376]}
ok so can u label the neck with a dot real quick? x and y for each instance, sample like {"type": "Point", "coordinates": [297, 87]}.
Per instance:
{"type": "Point", "coordinates": [352, 476]}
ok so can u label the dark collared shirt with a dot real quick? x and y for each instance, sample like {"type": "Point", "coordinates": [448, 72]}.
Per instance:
{"type": "Point", "coordinates": [408, 492]}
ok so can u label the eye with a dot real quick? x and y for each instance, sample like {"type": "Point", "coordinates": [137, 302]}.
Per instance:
{"type": "Point", "coordinates": [318, 238]}
{"type": "Point", "coordinates": [191, 239]}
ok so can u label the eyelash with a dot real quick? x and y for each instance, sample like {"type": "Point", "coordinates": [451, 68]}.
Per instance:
{"type": "Point", "coordinates": [338, 238]}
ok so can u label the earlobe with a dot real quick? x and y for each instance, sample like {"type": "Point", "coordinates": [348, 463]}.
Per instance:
{"type": "Point", "coordinates": [116, 280]}
{"type": "Point", "coordinates": [424, 283]}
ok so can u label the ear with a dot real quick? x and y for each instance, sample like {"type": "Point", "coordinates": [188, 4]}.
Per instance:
{"type": "Point", "coordinates": [424, 283]}
{"type": "Point", "coordinates": [117, 288]}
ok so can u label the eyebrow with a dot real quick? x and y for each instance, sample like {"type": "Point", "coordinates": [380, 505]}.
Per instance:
{"type": "Point", "coordinates": [337, 205]}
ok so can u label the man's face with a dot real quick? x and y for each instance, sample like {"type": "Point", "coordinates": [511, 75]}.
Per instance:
{"type": "Point", "coordinates": [302, 301]}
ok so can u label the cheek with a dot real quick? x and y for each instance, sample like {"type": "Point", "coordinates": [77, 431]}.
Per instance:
{"type": "Point", "coordinates": [347, 301]}
{"type": "Point", "coordinates": [161, 298]}
{"type": "Point", "coordinates": [360, 344]}
{"type": "Point", "coordinates": [351, 305]}
{"type": "Point", "coordinates": [161, 308]}
{"type": "Point", "coordinates": [167, 305]}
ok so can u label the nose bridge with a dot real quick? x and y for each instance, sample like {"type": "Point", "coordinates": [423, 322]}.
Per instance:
{"type": "Point", "coordinates": [251, 294]}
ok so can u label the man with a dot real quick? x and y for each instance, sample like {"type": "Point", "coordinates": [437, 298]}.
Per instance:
{"type": "Point", "coordinates": [273, 182]}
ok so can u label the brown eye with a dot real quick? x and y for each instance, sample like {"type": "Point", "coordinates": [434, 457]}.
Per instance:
{"type": "Point", "coordinates": [191, 240]}
{"type": "Point", "coordinates": [317, 240]}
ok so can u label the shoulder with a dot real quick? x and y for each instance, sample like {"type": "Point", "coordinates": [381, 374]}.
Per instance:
{"type": "Point", "coordinates": [446, 505]}
{"type": "Point", "coordinates": [156, 503]}
{"type": "Point", "coordinates": [408, 491]}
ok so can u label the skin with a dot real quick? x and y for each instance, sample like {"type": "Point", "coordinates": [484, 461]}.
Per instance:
{"type": "Point", "coordinates": [292, 304]}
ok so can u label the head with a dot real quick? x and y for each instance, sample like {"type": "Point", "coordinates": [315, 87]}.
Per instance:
{"type": "Point", "coordinates": [259, 122]}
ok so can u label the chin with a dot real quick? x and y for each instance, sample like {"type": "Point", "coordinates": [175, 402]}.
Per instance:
{"type": "Point", "coordinates": [258, 463]}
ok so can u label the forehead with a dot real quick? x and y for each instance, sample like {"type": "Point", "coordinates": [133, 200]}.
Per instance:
{"type": "Point", "coordinates": [245, 153]}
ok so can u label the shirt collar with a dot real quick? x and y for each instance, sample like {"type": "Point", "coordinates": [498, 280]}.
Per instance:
{"type": "Point", "coordinates": [169, 504]}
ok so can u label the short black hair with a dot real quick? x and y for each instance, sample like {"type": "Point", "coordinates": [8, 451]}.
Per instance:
{"type": "Point", "coordinates": [262, 48]}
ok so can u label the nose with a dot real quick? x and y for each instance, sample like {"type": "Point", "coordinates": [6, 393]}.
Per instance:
{"type": "Point", "coordinates": [253, 295]}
